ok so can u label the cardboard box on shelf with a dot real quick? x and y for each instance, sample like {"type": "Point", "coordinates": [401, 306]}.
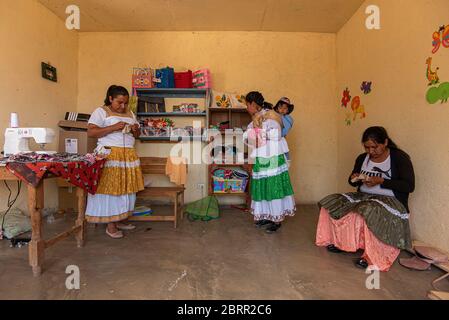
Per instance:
{"type": "Point", "coordinates": [73, 138]}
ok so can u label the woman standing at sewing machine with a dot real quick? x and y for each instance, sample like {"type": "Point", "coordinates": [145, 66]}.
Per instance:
{"type": "Point", "coordinates": [116, 128]}
{"type": "Point", "coordinates": [271, 190]}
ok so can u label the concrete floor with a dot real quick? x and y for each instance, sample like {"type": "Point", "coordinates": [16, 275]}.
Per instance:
{"type": "Point", "coordinates": [223, 259]}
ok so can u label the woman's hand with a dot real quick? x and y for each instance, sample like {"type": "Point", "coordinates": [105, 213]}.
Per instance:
{"type": "Point", "coordinates": [374, 181]}
{"type": "Point", "coordinates": [118, 126]}
{"type": "Point", "coordinates": [135, 130]}
{"type": "Point", "coordinates": [355, 175]}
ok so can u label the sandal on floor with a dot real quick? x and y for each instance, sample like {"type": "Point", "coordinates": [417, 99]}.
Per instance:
{"type": "Point", "coordinates": [127, 227]}
{"type": "Point", "coordinates": [361, 263]}
{"type": "Point", "coordinates": [262, 223]}
{"type": "Point", "coordinates": [333, 249]}
{"type": "Point", "coordinates": [116, 235]}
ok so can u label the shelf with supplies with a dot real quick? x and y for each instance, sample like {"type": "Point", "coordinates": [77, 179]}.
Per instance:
{"type": "Point", "coordinates": [229, 122]}
{"type": "Point", "coordinates": [153, 103]}
{"type": "Point", "coordinates": [171, 114]}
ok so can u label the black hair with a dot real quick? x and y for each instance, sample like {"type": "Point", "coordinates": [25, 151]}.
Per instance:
{"type": "Point", "coordinates": [379, 135]}
{"type": "Point", "coordinates": [257, 97]}
{"type": "Point", "coordinates": [115, 91]}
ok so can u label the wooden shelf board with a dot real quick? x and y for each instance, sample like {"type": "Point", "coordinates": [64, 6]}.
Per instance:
{"type": "Point", "coordinates": [170, 114]}
{"type": "Point", "coordinates": [229, 194]}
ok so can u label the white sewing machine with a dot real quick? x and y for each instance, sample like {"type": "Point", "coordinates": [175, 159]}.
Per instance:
{"type": "Point", "coordinates": [16, 139]}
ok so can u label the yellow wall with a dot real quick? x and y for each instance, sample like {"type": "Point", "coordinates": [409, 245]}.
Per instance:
{"type": "Point", "coordinates": [394, 59]}
{"type": "Point", "coordinates": [31, 34]}
{"type": "Point", "coordinates": [298, 65]}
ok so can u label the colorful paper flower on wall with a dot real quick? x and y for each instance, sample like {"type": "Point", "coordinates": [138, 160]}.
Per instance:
{"type": "Point", "coordinates": [357, 108]}
{"type": "Point", "coordinates": [366, 87]}
{"type": "Point", "coordinates": [346, 98]}
{"type": "Point", "coordinates": [440, 37]}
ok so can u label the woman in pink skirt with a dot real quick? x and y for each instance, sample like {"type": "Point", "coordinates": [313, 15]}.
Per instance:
{"type": "Point", "coordinates": [376, 217]}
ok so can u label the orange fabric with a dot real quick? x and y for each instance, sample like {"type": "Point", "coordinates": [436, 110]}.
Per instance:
{"type": "Point", "coordinates": [176, 169]}
{"type": "Point", "coordinates": [350, 234]}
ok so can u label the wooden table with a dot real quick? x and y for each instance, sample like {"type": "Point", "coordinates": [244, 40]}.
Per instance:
{"type": "Point", "coordinates": [38, 245]}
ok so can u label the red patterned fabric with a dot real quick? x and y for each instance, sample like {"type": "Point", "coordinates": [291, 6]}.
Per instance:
{"type": "Point", "coordinates": [78, 173]}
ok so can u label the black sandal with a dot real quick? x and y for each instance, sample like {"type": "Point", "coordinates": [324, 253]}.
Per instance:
{"type": "Point", "coordinates": [273, 227]}
{"type": "Point", "coordinates": [361, 263]}
{"type": "Point", "coordinates": [333, 249]}
{"type": "Point", "coordinates": [262, 223]}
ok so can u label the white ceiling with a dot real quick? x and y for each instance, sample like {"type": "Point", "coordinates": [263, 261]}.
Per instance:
{"type": "Point", "coordinates": [326, 16]}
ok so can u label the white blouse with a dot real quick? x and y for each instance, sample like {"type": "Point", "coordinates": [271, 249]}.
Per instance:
{"type": "Point", "coordinates": [114, 139]}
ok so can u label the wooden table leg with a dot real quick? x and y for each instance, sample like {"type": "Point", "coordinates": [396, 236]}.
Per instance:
{"type": "Point", "coordinates": [37, 244]}
{"type": "Point", "coordinates": [81, 220]}
{"type": "Point", "coordinates": [175, 199]}
{"type": "Point", "coordinates": [182, 205]}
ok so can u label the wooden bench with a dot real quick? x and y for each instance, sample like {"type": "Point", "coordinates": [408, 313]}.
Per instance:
{"type": "Point", "coordinates": [153, 165]}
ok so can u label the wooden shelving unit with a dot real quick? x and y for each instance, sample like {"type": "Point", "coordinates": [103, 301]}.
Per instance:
{"type": "Point", "coordinates": [238, 118]}
{"type": "Point", "coordinates": [174, 93]}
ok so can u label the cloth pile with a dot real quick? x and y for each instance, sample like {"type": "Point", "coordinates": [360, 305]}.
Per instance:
{"type": "Point", "coordinates": [80, 170]}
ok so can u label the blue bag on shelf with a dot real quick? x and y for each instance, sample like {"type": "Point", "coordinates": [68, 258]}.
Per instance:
{"type": "Point", "coordinates": [165, 78]}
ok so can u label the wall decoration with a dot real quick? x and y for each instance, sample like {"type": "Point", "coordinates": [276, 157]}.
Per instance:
{"type": "Point", "coordinates": [366, 87]}
{"type": "Point", "coordinates": [220, 100]}
{"type": "Point", "coordinates": [357, 108]}
{"type": "Point", "coordinates": [348, 118]}
{"type": "Point", "coordinates": [440, 37]}
{"type": "Point", "coordinates": [432, 76]}
{"type": "Point", "coordinates": [49, 72]}
{"type": "Point", "coordinates": [346, 98]}
{"type": "Point", "coordinates": [435, 94]}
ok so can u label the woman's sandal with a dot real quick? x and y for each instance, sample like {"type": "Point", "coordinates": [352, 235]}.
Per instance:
{"type": "Point", "coordinates": [127, 227]}
{"type": "Point", "coordinates": [116, 235]}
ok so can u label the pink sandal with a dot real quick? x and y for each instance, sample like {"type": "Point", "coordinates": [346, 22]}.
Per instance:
{"type": "Point", "coordinates": [115, 235]}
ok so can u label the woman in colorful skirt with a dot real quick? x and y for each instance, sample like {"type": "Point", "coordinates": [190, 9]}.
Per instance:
{"type": "Point", "coordinates": [116, 128]}
{"type": "Point", "coordinates": [271, 191]}
{"type": "Point", "coordinates": [376, 218]}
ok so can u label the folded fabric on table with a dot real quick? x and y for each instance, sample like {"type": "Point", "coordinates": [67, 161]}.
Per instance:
{"type": "Point", "coordinates": [81, 171]}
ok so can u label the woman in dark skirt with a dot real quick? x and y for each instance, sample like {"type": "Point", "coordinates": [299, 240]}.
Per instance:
{"type": "Point", "coordinates": [376, 217]}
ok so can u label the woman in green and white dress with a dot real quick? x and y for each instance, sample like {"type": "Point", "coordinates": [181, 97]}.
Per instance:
{"type": "Point", "coordinates": [271, 190]}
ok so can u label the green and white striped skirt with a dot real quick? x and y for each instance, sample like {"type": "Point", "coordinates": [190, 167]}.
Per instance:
{"type": "Point", "coordinates": [271, 189]}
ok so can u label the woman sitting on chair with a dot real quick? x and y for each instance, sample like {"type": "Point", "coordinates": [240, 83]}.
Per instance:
{"type": "Point", "coordinates": [376, 217]}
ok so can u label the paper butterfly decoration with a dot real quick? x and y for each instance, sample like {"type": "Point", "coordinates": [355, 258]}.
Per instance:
{"type": "Point", "coordinates": [440, 37]}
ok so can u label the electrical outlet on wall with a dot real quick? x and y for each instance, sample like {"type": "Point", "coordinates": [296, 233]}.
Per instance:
{"type": "Point", "coordinates": [201, 186]}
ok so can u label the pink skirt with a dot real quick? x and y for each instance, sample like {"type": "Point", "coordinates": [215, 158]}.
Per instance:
{"type": "Point", "coordinates": [350, 234]}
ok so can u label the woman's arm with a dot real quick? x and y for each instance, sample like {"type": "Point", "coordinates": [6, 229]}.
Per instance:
{"type": "Point", "coordinates": [94, 131]}
{"type": "Point", "coordinates": [405, 182]}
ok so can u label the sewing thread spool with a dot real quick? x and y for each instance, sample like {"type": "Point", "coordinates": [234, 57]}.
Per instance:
{"type": "Point", "coordinates": [14, 120]}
